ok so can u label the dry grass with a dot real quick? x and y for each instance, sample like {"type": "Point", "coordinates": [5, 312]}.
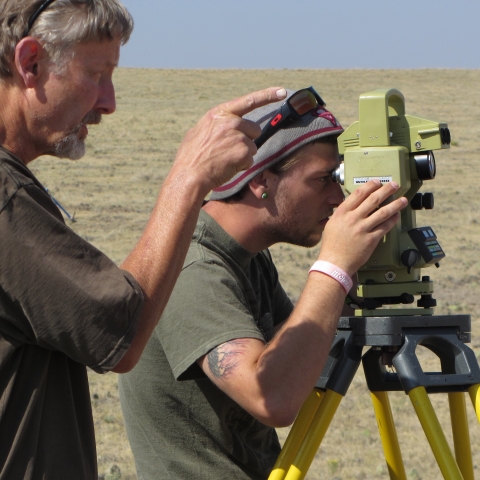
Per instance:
{"type": "Point", "coordinates": [113, 190]}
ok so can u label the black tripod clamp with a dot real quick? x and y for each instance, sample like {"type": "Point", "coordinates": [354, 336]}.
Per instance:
{"type": "Point", "coordinates": [444, 335]}
{"type": "Point", "coordinates": [342, 364]}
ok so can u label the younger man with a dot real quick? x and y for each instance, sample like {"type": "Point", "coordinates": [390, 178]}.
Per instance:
{"type": "Point", "coordinates": [245, 357]}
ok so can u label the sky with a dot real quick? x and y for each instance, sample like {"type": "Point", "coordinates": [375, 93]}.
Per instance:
{"type": "Point", "coordinates": [302, 34]}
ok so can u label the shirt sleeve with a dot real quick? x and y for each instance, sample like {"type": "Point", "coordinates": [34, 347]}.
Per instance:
{"type": "Point", "coordinates": [59, 292]}
{"type": "Point", "coordinates": [207, 308]}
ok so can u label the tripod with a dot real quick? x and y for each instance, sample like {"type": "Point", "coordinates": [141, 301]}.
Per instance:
{"type": "Point", "coordinates": [393, 341]}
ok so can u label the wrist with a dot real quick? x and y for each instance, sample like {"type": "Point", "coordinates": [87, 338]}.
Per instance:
{"type": "Point", "coordinates": [186, 185]}
{"type": "Point", "coordinates": [331, 270]}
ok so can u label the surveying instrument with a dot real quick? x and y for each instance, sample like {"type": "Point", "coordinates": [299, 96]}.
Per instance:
{"type": "Point", "coordinates": [388, 145]}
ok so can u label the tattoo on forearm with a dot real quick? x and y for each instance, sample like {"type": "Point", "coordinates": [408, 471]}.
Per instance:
{"type": "Point", "coordinates": [223, 359]}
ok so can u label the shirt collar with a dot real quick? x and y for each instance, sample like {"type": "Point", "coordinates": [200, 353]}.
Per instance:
{"type": "Point", "coordinates": [217, 237]}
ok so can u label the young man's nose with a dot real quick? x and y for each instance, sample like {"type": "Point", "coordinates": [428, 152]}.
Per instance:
{"type": "Point", "coordinates": [336, 196]}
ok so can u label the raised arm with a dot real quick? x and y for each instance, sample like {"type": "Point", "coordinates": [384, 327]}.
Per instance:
{"type": "Point", "coordinates": [218, 147]}
{"type": "Point", "coordinates": [272, 381]}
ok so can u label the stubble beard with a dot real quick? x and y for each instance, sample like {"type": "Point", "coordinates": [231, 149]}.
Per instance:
{"type": "Point", "coordinates": [71, 146]}
{"type": "Point", "coordinates": [292, 233]}
{"type": "Point", "coordinates": [288, 226]}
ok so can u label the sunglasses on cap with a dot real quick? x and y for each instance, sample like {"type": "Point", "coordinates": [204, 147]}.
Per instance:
{"type": "Point", "coordinates": [299, 104]}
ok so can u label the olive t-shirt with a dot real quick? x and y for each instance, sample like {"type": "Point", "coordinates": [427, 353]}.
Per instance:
{"type": "Point", "coordinates": [63, 306]}
{"type": "Point", "coordinates": [189, 429]}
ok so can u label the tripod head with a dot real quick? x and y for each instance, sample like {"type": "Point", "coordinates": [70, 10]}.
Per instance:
{"type": "Point", "coordinates": [388, 145]}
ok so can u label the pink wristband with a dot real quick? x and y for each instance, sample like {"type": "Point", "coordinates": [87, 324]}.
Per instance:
{"type": "Point", "coordinates": [333, 271]}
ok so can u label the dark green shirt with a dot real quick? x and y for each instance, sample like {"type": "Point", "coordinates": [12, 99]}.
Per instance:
{"type": "Point", "coordinates": [189, 429]}
{"type": "Point", "coordinates": [63, 306]}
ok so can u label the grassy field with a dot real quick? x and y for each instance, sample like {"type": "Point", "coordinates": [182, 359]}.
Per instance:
{"type": "Point", "coordinates": [112, 190]}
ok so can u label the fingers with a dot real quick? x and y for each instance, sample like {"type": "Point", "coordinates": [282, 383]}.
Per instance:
{"type": "Point", "coordinates": [383, 228]}
{"type": "Point", "coordinates": [361, 218]}
{"type": "Point", "coordinates": [242, 105]}
{"type": "Point", "coordinates": [381, 220]}
{"type": "Point", "coordinates": [370, 196]}
{"type": "Point", "coordinates": [221, 144]}
{"type": "Point", "coordinates": [366, 201]}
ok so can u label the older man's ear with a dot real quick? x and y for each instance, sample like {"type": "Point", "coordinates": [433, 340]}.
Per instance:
{"type": "Point", "coordinates": [28, 56]}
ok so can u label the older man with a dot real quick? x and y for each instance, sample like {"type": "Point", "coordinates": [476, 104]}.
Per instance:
{"type": "Point", "coordinates": [246, 359]}
{"type": "Point", "coordinates": [63, 304]}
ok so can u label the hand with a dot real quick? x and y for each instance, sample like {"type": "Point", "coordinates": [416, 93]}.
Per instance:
{"type": "Point", "coordinates": [221, 144]}
{"type": "Point", "coordinates": [358, 224]}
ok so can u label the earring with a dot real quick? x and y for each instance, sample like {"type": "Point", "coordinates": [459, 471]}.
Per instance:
{"type": "Point", "coordinates": [264, 195]}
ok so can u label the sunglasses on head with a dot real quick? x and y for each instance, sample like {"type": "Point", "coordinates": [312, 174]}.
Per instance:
{"type": "Point", "coordinates": [301, 102]}
{"type": "Point", "coordinates": [35, 15]}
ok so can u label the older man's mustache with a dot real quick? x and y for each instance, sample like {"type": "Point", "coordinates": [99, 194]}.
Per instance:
{"type": "Point", "coordinates": [91, 118]}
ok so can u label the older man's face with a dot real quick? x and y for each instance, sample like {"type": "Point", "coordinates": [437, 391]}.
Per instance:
{"type": "Point", "coordinates": [75, 97]}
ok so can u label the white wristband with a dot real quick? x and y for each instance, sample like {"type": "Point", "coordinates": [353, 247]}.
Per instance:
{"type": "Point", "coordinates": [333, 271]}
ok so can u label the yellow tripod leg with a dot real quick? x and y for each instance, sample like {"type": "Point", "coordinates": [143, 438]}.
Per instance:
{"type": "Point", "coordinates": [461, 435]}
{"type": "Point", "coordinates": [388, 435]}
{"type": "Point", "coordinates": [314, 436]}
{"type": "Point", "coordinates": [296, 435]}
{"type": "Point", "coordinates": [434, 433]}
{"type": "Point", "coordinates": [474, 392]}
